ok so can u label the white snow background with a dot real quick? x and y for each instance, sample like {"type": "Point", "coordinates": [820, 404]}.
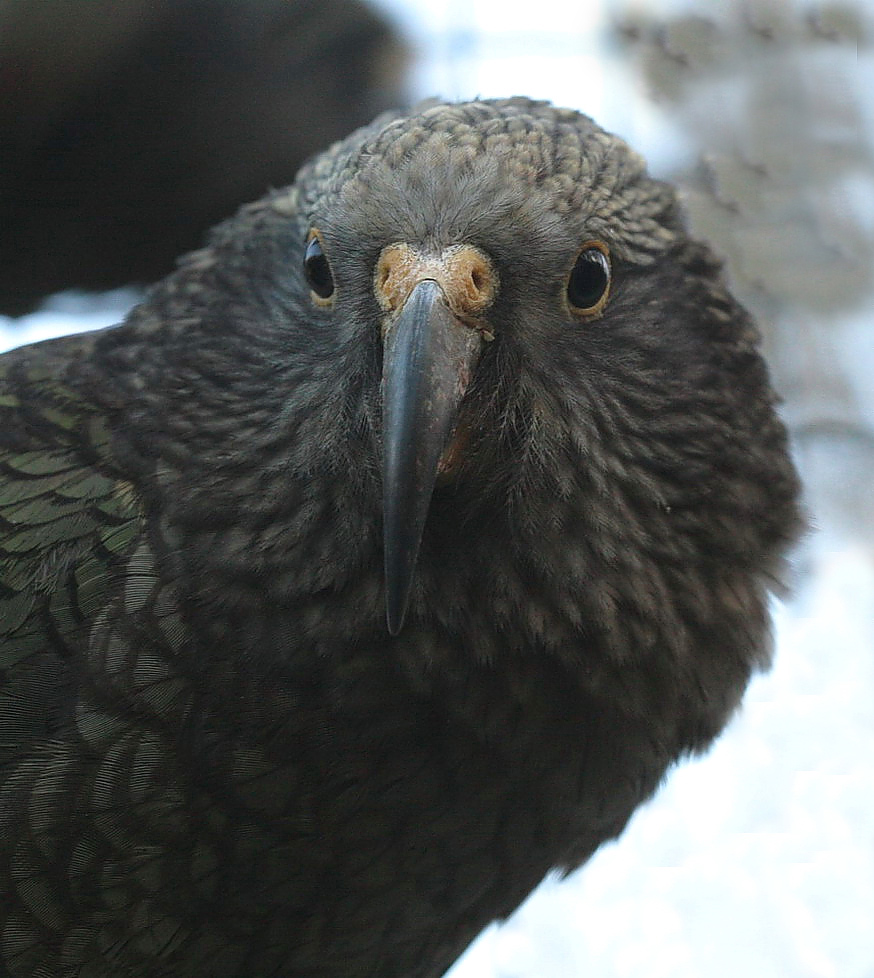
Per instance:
{"type": "Point", "coordinates": [756, 861]}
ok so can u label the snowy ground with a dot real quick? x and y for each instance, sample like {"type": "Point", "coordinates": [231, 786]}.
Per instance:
{"type": "Point", "coordinates": [756, 861]}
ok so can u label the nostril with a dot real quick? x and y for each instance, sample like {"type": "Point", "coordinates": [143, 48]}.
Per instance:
{"type": "Point", "coordinates": [476, 279]}
{"type": "Point", "coordinates": [389, 274]}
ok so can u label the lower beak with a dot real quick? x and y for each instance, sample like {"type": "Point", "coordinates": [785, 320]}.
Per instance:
{"type": "Point", "coordinates": [429, 357]}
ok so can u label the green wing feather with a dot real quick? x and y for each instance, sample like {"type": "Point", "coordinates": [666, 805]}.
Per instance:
{"type": "Point", "coordinates": [67, 519]}
{"type": "Point", "coordinates": [93, 830]}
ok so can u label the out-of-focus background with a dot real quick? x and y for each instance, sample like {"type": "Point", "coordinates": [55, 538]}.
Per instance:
{"type": "Point", "coordinates": [757, 860]}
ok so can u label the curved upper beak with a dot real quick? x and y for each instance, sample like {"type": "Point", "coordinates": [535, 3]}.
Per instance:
{"type": "Point", "coordinates": [428, 359]}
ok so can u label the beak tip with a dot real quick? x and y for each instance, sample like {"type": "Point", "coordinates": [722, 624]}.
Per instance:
{"type": "Point", "coordinates": [396, 599]}
{"type": "Point", "coordinates": [395, 613]}
{"type": "Point", "coordinates": [394, 627]}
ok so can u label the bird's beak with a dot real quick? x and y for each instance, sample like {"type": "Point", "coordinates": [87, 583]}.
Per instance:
{"type": "Point", "coordinates": [429, 357]}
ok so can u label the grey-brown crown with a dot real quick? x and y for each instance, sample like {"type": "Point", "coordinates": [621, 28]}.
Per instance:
{"type": "Point", "coordinates": [517, 153]}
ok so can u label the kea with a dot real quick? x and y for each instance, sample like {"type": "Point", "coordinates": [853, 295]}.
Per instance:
{"type": "Point", "coordinates": [129, 127]}
{"type": "Point", "coordinates": [381, 562]}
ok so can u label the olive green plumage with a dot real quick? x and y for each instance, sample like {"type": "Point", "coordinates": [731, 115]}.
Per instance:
{"type": "Point", "coordinates": [218, 758]}
{"type": "Point", "coordinates": [65, 521]}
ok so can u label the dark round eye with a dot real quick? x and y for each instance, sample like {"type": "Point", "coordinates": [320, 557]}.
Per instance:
{"type": "Point", "coordinates": [589, 282]}
{"type": "Point", "coordinates": [317, 268]}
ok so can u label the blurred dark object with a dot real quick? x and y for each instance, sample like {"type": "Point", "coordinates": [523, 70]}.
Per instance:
{"type": "Point", "coordinates": [130, 126]}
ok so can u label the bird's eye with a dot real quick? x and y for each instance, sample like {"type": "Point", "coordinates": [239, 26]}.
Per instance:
{"type": "Point", "coordinates": [317, 269]}
{"type": "Point", "coordinates": [589, 282]}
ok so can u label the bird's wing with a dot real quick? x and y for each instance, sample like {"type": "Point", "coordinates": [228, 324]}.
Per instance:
{"type": "Point", "coordinates": [67, 521]}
